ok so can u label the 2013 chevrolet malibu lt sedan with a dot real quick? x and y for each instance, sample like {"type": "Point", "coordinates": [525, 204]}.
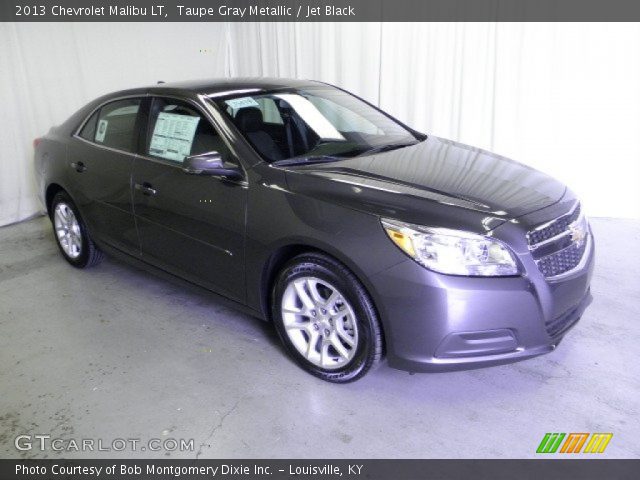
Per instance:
{"type": "Point", "coordinates": [357, 236]}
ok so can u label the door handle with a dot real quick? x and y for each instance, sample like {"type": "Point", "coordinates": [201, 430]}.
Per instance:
{"type": "Point", "coordinates": [78, 167]}
{"type": "Point", "coordinates": [145, 188]}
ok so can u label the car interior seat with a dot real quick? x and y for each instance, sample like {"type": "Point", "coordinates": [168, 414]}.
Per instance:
{"type": "Point", "coordinates": [250, 121]}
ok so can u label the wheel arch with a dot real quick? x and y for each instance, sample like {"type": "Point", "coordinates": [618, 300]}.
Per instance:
{"type": "Point", "coordinates": [51, 191]}
{"type": "Point", "coordinates": [283, 254]}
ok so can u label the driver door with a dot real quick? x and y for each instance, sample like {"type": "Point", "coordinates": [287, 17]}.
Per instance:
{"type": "Point", "coordinates": [190, 225]}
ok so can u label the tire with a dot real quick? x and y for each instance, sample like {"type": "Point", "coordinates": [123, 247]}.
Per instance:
{"type": "Point", "coordinates": [325, 319]}
{"type": "Point", "coordinates": [71, 233]}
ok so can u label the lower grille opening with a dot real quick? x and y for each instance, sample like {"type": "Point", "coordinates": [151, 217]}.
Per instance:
{"type": "Point", "coordinates": [562, 323]}
{"type": "Point", "coordinates": [563, 260]}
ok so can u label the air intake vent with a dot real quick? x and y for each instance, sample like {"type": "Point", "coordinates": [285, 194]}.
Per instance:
{"type": "Point", "coordinates": [562, 261]}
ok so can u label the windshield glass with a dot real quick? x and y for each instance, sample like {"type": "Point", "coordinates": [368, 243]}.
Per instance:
{"type": "Point", "coordinates": [312, 122]}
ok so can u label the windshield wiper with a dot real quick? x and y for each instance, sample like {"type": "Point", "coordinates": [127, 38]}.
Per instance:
{"type": "Point", "coordinates": [386, 148]}
{"type": "Point", "coordinates": [307, 160]}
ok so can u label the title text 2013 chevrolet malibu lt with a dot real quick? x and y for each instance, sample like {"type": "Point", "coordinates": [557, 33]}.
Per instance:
{"type": "Point", "coordinates": [357, 236]}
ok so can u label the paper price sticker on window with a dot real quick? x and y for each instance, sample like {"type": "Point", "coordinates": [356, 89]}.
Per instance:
{"type": "Point", "coordinates": [238, 103]}
{"type": "Point", "coordinates": [101, 132]}
{"type": "Point", "coordinates": [173, 136]}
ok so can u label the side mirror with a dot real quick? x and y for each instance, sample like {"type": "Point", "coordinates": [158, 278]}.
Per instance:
{"type": "Point", "coordinates": [209, 163]}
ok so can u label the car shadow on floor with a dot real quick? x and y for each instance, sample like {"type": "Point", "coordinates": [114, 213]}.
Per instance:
{"type": "Point", "coordinates": [189, 295]}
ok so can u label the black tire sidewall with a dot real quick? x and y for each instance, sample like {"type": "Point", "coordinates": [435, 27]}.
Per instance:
{"type": "Point", "coordinates": [353, 292]}
{"type": "Point", "coordinates": [82, 259]}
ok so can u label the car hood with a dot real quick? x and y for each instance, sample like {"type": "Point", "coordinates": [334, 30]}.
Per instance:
{"type": "Point", "coordinates": [408, 182]}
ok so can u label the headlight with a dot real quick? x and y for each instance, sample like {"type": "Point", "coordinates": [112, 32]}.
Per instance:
{"type": "Point", "coordinates": [453, 252]}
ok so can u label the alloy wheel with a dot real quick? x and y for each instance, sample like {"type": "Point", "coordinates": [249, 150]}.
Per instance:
{"type": "Point", "coordinates": [320, 322]}
{"type": "Point", "coordinates": [67, 230]}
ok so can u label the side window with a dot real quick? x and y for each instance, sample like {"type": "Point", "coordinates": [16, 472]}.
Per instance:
{"type": "Point", "coordinates": [177, 130]}
{"type": "Point", "coordinates": [114, 125]}
{"type": "Point", "coordinates": [88, 132]}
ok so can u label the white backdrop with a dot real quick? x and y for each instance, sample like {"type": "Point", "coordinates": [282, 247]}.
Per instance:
{"type": "Point", "coordinates": [49, 70]}
{"type": "Point", "coordinates": [564, 98]}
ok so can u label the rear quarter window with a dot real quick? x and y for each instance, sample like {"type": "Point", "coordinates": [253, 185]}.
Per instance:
{"type": "Point", "coordinates": [114, 125]}
{"type": "Point", "coordinates": [88, 132]}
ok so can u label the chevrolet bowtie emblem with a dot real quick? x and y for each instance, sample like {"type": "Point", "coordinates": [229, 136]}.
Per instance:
{"type": "Point", "coordinates": [578, 232]}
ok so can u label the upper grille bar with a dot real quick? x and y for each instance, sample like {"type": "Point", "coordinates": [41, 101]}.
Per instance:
{"type": "Point", "coordinates": [553, 230]}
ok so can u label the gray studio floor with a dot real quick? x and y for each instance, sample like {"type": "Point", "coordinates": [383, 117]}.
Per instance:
{"type": "Point", "coordinates": [113, 352]}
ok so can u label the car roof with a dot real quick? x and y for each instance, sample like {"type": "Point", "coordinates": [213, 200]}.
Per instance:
{"type": "Point", "coordinates": [221, 86]}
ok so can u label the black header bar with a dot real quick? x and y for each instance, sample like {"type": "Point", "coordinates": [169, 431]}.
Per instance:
{"type": "Point", "coordinates": [319, 10]}
{"type": "Point", "coordinates": [547, 469]}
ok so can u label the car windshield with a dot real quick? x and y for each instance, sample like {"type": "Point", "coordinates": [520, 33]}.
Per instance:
{"type": "Point", "coordinates": [312, 124]}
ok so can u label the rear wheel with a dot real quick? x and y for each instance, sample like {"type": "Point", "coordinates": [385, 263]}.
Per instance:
{"type": "Point", "coordinates": [326, 319]}
{"type": "Point", "coordinates": [71, 233]}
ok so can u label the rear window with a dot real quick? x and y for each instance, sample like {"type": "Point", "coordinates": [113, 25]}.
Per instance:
{"type": "Point", "coordinates": [114, 125]}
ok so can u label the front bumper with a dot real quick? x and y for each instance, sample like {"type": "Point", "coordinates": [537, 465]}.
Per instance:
{"type": "Point", "coordinates": [436, 322]}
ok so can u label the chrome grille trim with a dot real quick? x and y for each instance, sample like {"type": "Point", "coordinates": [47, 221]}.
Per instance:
{"type": "Point", "coordinates": [553, 229]}
{"type": "Point", "coordinates": [549, 240]}
{"type": "Point", "coordinates": [562, 254]}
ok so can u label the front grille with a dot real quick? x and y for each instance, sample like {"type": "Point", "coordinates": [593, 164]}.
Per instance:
{"type": "Point", "coordinates": [562, 261]}
{"type": "Point", "coordinates": [554, 228]}
{"type": "Point", "coordinates": [558, 246]}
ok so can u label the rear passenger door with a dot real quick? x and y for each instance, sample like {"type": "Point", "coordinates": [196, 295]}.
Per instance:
{"type": "Point", "coordinates": [100, 166]}
{"type": "Point", "coordinates": [190, 225]}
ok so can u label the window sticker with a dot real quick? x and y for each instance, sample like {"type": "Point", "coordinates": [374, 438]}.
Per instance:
{"type": "Point", "coordinates": [173, 136]}
{"type": "Point", "coordinates": [102, 130]}
{"type": "Point", "coordinates": [238, 103]}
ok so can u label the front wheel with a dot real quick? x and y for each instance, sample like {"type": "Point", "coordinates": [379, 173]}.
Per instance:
{"type": "Point", "coordinates": [326, 319]}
